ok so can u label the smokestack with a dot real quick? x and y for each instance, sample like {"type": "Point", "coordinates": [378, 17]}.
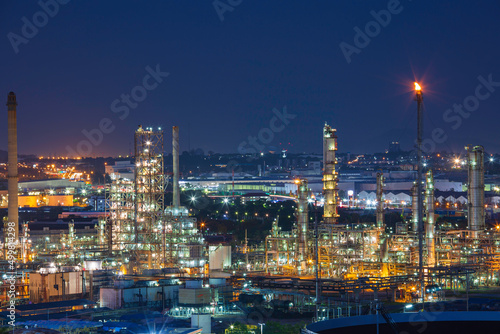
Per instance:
{"type": "Point", "coordinates": [302, 222]}
{"type": "Point", "coordinates": [330, 191]}
{"type": "Point", "coordinates": [475, 189]}
{"type": "Point", "coordinates": [175, 155]}
{"type": "Point", "coordinates": [12, 163]}
{"type": "Point", "coordinates": [429, 221]}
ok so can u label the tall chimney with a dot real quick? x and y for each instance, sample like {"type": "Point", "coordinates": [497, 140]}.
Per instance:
{"type": "Point", "coordinates": [175, 154]}
{"type": "Point", "coordinates": [12, 163]}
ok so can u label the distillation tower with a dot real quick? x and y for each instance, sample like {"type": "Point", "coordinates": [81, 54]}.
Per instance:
{"type": "Point", "coordinates": [149, 197]}
{"type": "Point", "coordinates": [475, 191]}
{"type": "Point", "coordinates": [429, 219]}
{"type": "Point", "coordinates": [145, 232]}
{"type": "Point", "coordinates": [380, 201]}
{"type": "Point", "coordinates": [414, 208]}
{"type": "Point", "coordinates": [339, 247]}
{"type": "Point", "coordinates": [302, 224]}
{"type": "Point", "coordinates": [330, 176]}
{"type": "Point", "coordinates": [137, 206]}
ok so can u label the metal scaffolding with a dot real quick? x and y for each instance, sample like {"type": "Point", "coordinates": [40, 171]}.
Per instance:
{"type": "Point", "coordinates": [149, 197]}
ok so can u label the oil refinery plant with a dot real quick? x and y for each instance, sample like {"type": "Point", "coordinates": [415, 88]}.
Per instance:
{"type": "Point", "coordinates": [146, 252]}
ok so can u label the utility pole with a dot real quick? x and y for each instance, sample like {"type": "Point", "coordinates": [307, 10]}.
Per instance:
{"type": "Point", "coordinates": [419, 98]}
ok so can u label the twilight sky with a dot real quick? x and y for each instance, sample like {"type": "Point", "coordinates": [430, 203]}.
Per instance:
{"type": "Point", "coordinates": [83, 66]}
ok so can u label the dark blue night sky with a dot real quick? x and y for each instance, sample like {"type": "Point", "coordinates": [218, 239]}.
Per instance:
{"type": "Point", "coordinates": [226, 77]}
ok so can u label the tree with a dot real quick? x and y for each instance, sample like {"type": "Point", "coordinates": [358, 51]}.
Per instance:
{"type": "Point", "coordinates": [239, 328]}
{"type": "Point", "coordinates": [273, 327]}
{"type": "Point", "coordinates": [5, 330]}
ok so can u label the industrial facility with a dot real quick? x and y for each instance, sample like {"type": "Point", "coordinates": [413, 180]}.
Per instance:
{"type": "Point", "coordinates": [142, 251]}
{"type": "Point", "coordinates": [144, 233]}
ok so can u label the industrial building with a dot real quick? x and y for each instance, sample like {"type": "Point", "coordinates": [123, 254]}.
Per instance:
{"type": "Point", "coordinates": [347, 252]}
{"type": "Point", "coordinates": [144, 233]}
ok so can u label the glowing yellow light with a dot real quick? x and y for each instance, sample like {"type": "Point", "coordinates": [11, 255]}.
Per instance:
{"type": "Point", "coordinates": [417, 87]}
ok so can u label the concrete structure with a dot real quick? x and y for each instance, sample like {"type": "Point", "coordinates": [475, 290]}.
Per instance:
{"type": "Point", "coordinates": [475, 191]}
{"type": "Point", "coordinates": [12, 175]}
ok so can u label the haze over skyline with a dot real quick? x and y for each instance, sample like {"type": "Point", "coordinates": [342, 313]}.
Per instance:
{"type": "Point", "coordinates": [227, 78]}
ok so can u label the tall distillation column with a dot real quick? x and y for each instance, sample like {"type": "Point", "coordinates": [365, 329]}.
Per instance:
{"type": "Point", "coordinates": [330, 176]}
{"type": "Point", "coordinates": [383, 241]}
{"type": "Point", "coordinates": [13, 178]}
{"type": "Point", "coordinates": [475, 189]}
{"type": "Point", "coordinates": [380, 202]}
{"type": "Point", "coordinates": [149, 198]}
{"type": "Point", "coordinates": [429, 221]}
{"type": "Point", "coordinates": [414, 207]}
{"type": "Point", "coordinates": [302, 222]}
{"type": "Point", "coordinates": [175, 155]}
